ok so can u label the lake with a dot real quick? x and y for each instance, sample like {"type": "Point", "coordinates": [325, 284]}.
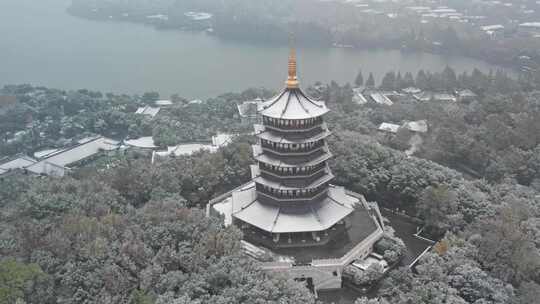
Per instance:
{"type": "Point", "coordinates": [43, 45]}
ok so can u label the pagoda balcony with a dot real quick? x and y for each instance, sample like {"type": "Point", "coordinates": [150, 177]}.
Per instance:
{"type": "Point", "coordinates": [272, 136]}
{"type": "Point", "coordinates": [292, 123]}
{"type": "Point", "coordinates": [296, 181]}
{"type": "Point", "coordinates": [292, 195]}
{"type": "Point", "coordinates": [284, 172]}
{"type": "Point", "coordinates": [293, 149]}
{"type": "Point", "coordinates": [292, 185]}
{"type": "Point", "coordinates": [296, 129]}
{"type": "Point", "coordinates": [291, 161]}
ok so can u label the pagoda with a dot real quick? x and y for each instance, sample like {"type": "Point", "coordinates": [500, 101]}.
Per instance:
{"type": "Point", "coordinates": [292, 218]}
{"type": "Point", "coordinates": [290, 202]}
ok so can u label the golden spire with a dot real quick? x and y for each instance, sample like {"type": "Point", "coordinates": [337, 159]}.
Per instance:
{"type": "Point", "coordinates": [292, 80]}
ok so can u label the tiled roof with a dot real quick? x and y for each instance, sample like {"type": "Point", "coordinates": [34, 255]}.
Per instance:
{"type": "Point", "coordinates": [262, 133]}
{"type": "Point", "coordinates": [148, 110]}
{"type": "Point", "coordinates": [389, 127]}
{"type": "Point", "coordinates": [317, 216]}
{"type": "Point", "coordinates": [17, 163]}
{"type": "Point", "coordinates": [293, 104]}
{"type": "Point", "coordinates": [146, 142]}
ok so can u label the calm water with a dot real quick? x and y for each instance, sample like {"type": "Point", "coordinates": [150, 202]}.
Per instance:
{"type": "Point", "coordinates": [41, 44]}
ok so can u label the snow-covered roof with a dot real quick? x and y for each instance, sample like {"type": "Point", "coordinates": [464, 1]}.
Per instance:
{"type": "Point", "coordinates": [427, 96]}
{"type": "Point", "coordinates": [317, 216]}
{"type": "Point", "coordinates": [444, 10]}
{"type": "Point", "coordinates": [45, 153]}
{"type": "Point", "coordinates": [412, 90]}
{"type": "Point", "coordinates": [47, 168]}
{"type": "Point", "coordinates": [290, 162]}
{"type": "Point", "coordinates": [358, 97]}
{"type": "Point", "coordinates": [55, 163]}
{"type": "Point", "coordinates": [146, 142]}
{"type": "Point", "coordinates": [162, 103]}
{"type": "Point", "coordinates": [148, 110]}
{"type": "Point", "coordinates": [159, 17]}
{"type": "Point", "coordinates": [444, 97]}
{"type": "Point", "coordinates": [199, 15]}
{"type": "Point", "coordinates": [249, 108]}
{"type": "Point", "coordinates": [221, 140]}
{"type": "Point", "coordinates": [491, 28]}
{"type": "Point", "coordinates": [466, 93]}
{"type": "Point", "coordinates": [268, 134]}
{"type": "Point", "coordinates": [389, 127]}
{"type": "Point", "coordinates": [381, 99]}
{"type": "Point", "coordinates": [84, 149]}
{"type": "Point", "coordinates": [185, 149]}
{"type": "Point", "coordinates": [292, 103]}
{"type": "Point", "coordinates": [419, 126]}
{"type": "Point", "coordinates": [530, 24]}
{"type": "Point", "coordinates": [17, 163]}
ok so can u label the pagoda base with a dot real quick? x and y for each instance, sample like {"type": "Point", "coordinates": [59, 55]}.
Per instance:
{"type": "Point", "coordinates": [323, 261]}
{"type": "Point", "coordinates": [257, 236]}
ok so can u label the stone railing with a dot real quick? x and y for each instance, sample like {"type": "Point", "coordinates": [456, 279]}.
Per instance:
{"type": "Point", "coordinates": [353, 253]}
{"type": "Point", "coordinates": [276, 266]}
{"type": "Point", "coordinates": [348, 258]}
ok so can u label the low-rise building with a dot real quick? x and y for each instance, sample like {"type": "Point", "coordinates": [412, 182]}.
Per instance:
{"type": "Point", "coordinates": [248, 110]}
{"type": "Point", "coordinates": [142, 143]}
{"type": "Point", "coordinates": [56, 162]}
{"type": "Point", "coordinates": [389, 127]}
{"type": "Point", "coordinates": [412, 90]}
{"type": "Point", "coordinates": [148, 110]}
{"type": "Point", "coordinates": [431, 96]}
{"type": "Point", "coordinates": [44, 153]}
{"type": "Point", "coordinates": [466, 95]}
{"type": "Point", "coordinates": [358, 96]}
{"type": "Point", "coordinates": [529, 28]}
{"type": "Point", "coordinates": [163, 103]}
{"type": "Point", "coordinates": [493, 30]}
{"type": "Point", "coordinates": [222, 140]}
{"type": "Point", "coordinates": [381, 98]}
{"type": "Point", "coordinates": [14, 163]}
{"type": "Point", "coordinates": [419, 126]}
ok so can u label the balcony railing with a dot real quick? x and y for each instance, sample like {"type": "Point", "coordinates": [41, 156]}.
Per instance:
{"type": "Point", "coordinates": [292, 195]}
{"type": "Point", "coordinates": [292, 149]}
{"type": "Point", "coordinates": [291, 172]}
{"type": "Point", "coordinates": [294, 181]}
{"type": "Point", "coordinates": [292, 124]}
{"type": "Point", "coordinates": [299, 239]}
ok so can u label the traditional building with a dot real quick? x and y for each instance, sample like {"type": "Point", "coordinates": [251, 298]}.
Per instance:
{"type": "Point", "coordinates": [291, 201]}
{"type": "Point", "coordinates": [290, 207]}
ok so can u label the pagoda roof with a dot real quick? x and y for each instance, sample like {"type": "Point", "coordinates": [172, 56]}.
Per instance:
{"type": "Point", "coordinates": [267, 134]}
{"type": "Point", "coordinates": [317, 216]}
{"type": "Point", "coordinates": [292, 161]}
{"type": "Point", "coordinates": [292, 103]}
{"type": "Point", "coordinates": [256, 175]}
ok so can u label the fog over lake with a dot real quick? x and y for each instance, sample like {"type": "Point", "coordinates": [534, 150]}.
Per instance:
{"type": "Point", "coordinates": [42, 45]}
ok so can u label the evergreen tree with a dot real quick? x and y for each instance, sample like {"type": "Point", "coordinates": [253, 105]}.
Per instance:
{"type": "Point", "coordinates": [389, 81]}
{"type": "Point", "coordinates": [422, 80]}
{"type": "Point", "coordinates": [399, 82]}
{"type": "Point", "coordinates": [359, 81]}
{"type": "Point", "coordinates": [449, 79]}
{"type": "Point", "coordinates": [408, 80]}
{"type": "Point", "coordinates": [371, 81]}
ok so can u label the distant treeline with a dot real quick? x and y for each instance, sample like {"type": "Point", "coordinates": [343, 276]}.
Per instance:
{"type": "Point", "coordinates": [320, 23]}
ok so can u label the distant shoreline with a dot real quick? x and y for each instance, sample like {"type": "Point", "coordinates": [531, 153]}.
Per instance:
{"type": "Point", "coordinates": [164, 25]}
